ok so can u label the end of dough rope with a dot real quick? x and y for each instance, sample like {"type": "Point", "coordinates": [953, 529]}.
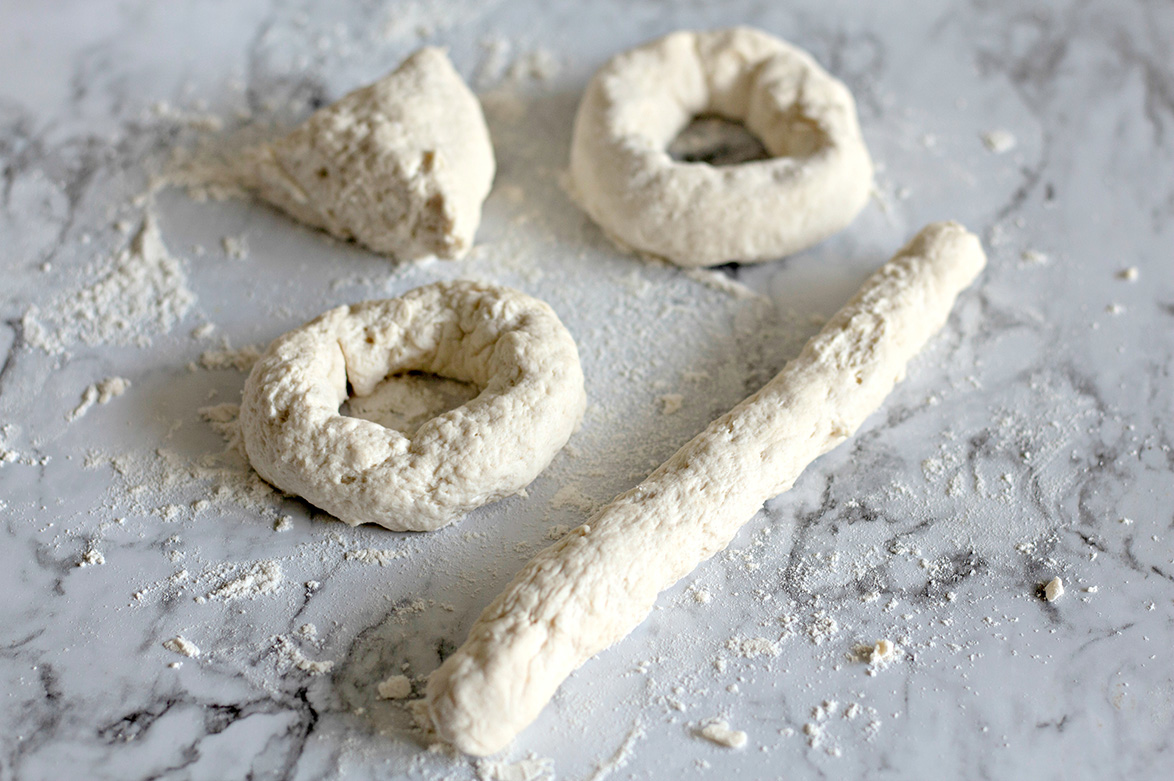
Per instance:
{"type": "Point", "coordinates": [599, 582]}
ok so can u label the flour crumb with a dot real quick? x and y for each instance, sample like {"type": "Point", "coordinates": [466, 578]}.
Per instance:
{"type": "Point", "coordinates": [235, 247]}
{"type": "Point", "coordinates": [532, 768]}
{"type": "Point", "coordinates": [290, 655]}
{"type": "Point", "coordinates": [283, 524]}
{"type": "Point", "coordinates": [181, 645]}
{"type": "Point", "coordinates": [752, 647]}
{"type": "Point", "coordinates": [1125, 521]}
{"type": "Point", "coordinates": [557, 531]}
{"type": "Point", "coordinates": [999, 141]}
{"type": "Point", "coordinates": [1054, 589]}
{"type": "Point", "coordinates": [397, 687]}
{"type": "Point", "coordinates": [203, 331]}
{"type": "Point", "coordinates": [140, 291]}
{"type": "Point", "coordinates": [670, 403]}
{"type": "Point", "coordinates": [571, 495]}
{"type": "Point", "coordinates": [374, 556]}
{"type": "Point", "coordinates": [99, 393]}
{"type": "Point", "coordinates": [878, 656]}
{"type": "Point", "coordinates": [241, 359]}
{"type": "Point", "coordinates": [1033, 257]}
{"type": "Point", "coordinates": [719, 732]}
{"type": "Point", "coordinates": [1128, 274]}
{"type": "Point", "coordinates": [702, 596]}
{"type": "Point", "coordinates": [92, 557]}
{"type": "Point", "coordinates": [261, 579]}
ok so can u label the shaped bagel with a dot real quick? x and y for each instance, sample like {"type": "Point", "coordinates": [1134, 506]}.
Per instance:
{"type": "Point", "coordinates": [816, 181]}
{"type": "Point", "coordinates": [510, 346]}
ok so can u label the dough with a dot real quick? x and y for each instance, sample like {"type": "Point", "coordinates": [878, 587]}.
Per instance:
{"type": "Point", "coordinates": [511, 346]}
{"type": "Point", "coordinates": [595, 585]}
{"type": "Point", "coordinates": [401, 166]}
{"type": "Point", "coordinates": [694, 214]}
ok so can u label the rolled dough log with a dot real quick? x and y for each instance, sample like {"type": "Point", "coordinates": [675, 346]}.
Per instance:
{"type": "Point", "coordinates": [594, 586]}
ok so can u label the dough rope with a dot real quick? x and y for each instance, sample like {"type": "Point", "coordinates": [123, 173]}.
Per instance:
{"type": "Point", "coordinates": [511, 346]}
{"type": "Point", "coordinates": [594, 586]}
{"type": "Point", "coordinates": [816, 182]}
{"type": "Point", "coordinates": [401, 166]}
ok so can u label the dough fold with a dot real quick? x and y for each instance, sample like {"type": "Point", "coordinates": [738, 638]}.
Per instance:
{"type": "Point", "coordinates": [594, 586]}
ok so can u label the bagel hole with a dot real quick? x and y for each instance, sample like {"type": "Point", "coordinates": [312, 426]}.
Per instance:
{"type": "Point", "coordinates": [716, 141]}
{"type": "Point", "coordinates": [408, 400]}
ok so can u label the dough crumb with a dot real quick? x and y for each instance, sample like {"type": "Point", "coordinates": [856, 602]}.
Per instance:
{"type": "Point", "coordinates": [92, 557]}
{"type": "Point", "coordinates": [99, 393]}
{"type": "Point", "coordinates": [397, 687]}
{"type": "Point", "coordinates": [878, 656]}
{"type": "Point", "coordinates": [1128, 274]}
{"type": "Point", "coordinates": [999, 141]}
{"type": "Point", "coordinates": [235, 247]}
{"type": "Point", "coordinates": [1054, 589]}
{"type": "Point", "coordinates": [1033, 257]}
{"type": "Point", "coordinates": [719, 732]}
{"type": "Point", "coordinates": [670, 403]}
{"type": "Point", "coordinates": [181, 645]}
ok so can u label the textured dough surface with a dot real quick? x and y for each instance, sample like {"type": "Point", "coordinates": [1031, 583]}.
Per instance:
{"type": "Point", "coordinates": [694, 214]}
{"type": "Point", "coordinates": [401, 166]}
{"type": "Point", "coordinates": [511, 346]}
{"type": "Point", "coordinates": [594, 586]}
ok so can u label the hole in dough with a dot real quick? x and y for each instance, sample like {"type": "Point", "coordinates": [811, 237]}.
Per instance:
{"type": "Point", "coordinates": [717, 141]}
{"type": "Point", "coordinates": [406, 401]}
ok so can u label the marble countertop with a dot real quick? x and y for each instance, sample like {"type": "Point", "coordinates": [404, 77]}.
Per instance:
{"type": "Point", "coordinates": [1032, 439]}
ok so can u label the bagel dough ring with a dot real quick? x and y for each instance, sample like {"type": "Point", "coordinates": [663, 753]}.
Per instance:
{"type": "Point", "coordinates": [511, 346]}
{"type": "Point", "coordinates": [816, 181]}
{"type": "Point", "coordinates": [600, 581]}
{"type": "Point", "coordinates": [401, 166]}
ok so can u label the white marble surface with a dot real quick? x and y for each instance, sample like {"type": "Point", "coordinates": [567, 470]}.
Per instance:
{"type": "Point", "coordinates": [1023, 436]}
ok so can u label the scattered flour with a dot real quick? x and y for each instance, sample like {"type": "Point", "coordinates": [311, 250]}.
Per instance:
{"type": "Point", "coordinates": [140, 291]}
{"type": "Point", "coordinates": [241, 359]}
{"type": "Point", "coordinates": [290, 655]}
{"type": "Point", "coordinates": [262, 578]}
{"type": "Point", "coordinates": [99, 393]}
{"type": "Point", "coordinates": [375, 556]}
{"type": "Point", "coordinates": [752, 647]}
{"type": "Point", "coordinates": [532, 768]}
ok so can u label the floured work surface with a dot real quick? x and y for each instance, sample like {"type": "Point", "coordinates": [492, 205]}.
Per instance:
{"type": "Point", "coordinates": [1029, 442]}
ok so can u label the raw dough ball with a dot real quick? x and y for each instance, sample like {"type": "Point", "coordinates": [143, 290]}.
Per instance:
{"type": "Point", "coordinates": [694, 214]}
{"type": "Point", "coordinates": [401, 166]}
{"type": "Point", "coordinates": [511, 346]}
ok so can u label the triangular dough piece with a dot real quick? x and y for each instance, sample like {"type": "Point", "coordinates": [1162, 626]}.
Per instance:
{"type": "Point", "coordinates": [401, 166]}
